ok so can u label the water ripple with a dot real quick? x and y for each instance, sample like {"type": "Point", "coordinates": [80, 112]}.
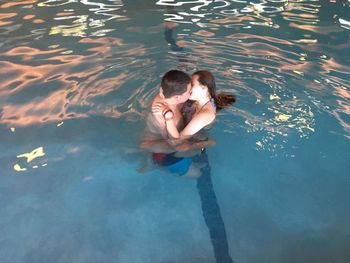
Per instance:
{"type": "Point", "coordinates": [286, 72]}
{"type": "Point", "coordinates": [51, 85]}
{"type": "Point", "coordinates": [73, 59]}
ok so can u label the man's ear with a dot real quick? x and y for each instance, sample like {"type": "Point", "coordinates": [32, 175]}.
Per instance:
{"type": "Point", "coordinates": [161, 93]}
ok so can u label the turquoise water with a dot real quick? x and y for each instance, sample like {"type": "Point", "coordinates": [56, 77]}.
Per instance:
{"type": "Point", "coordinates": [77, 77]}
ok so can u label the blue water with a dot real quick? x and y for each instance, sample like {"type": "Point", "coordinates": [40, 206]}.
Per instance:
{"type": "Point", "coordinates": [76, 80]}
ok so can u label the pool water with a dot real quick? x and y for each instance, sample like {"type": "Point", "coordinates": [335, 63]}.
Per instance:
{"type": "Point", "coordinates": [76, 80]}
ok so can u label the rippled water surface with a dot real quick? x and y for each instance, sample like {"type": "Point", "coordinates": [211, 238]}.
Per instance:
{"type": "Point", "coordinates": [76, 79]}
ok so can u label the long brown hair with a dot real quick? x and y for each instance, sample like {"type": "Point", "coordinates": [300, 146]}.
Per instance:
{"type": "Point", "coordinates": [207, 79]}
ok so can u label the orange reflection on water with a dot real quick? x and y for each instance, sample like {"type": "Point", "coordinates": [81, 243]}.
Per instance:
{"type": "Point", "coordinates": [28, 75]}
{"type": "Point", "coordinates": [98, 88]}
{"type": "Point", "coordinates": [28, 53]}
{"type": "Point", "coordinates": [204, 33]}
{"type": "Point", "coordinates": [343, 107]}
{"type": "Point", "coordinates": [297, 67]}
{"type": "Point", "coordinates": [28, 17]}
{"type": "Point", "coordinates": [5, 23]}
{"type": "Point", "coordinates": [343, 123]}
{"type": "Point", "coordinates": [65, 14]}
{"type": "Point", "coordinates": [241, 36]}
{"type": "Point", "coordinates": [227, 20]}
{"type": "Point", "coordinates": [38, 21]}
{"type": "Point", "coordinates": [4, 16]}
{"type": "Point", "coordinates": [300, 15]}
{"type": "Point", "coordinates": [25, 75]}
{"type": "Point", "coordinates": [104, 44]}
{"type": "Point", "coordinates": [77, 75]}
{"type": "Point", "coordinates": [7, 15]}
{"type": "Point", "coordinates": [13, 3]}
{"type": "Point", "coordinates": [342, 93]}
{"type": "Point", "coordinates": [51, 108]}
{"type": "Point", "coordinates": [322, 30]}
{"type": "Point", "coordinates": [331, 65]}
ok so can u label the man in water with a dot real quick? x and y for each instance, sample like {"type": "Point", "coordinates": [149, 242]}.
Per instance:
{"type": "Point", "coordinates": [174, 91]}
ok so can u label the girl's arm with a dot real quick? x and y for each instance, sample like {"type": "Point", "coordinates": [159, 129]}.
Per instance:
{"type": "Point", "coordinates": [162, 111]}
{"type": "Point", "coordinates": [199, 121]}
{"type": "Point", "coordinates": [171, 128]}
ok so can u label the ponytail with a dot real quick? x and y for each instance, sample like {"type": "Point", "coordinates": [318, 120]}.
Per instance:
{"type": "Point", "coordinates": [224, 100]}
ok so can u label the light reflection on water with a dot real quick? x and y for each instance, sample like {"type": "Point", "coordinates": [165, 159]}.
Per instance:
{"type": "Point", "coordinates": [54, 80]}
{"type": "Point", "coordinates": [295, 59]}
{"type": "Point", "coordinates": [65, 64]}
{"type": "Point", "coordinates": [100, 72]}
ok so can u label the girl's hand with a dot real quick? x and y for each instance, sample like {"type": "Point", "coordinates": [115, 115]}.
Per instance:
{"type": "Point", "coordinates": [162, 109]}
{"type": "Point", "coordinates": [158, 108]}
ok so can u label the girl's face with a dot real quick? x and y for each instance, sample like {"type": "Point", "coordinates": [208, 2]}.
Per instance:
{"type": "Point", "coordinates": [198, 90]}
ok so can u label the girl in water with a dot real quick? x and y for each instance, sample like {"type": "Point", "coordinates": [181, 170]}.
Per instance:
{"type": "Point", "coordinates": [200, 111]}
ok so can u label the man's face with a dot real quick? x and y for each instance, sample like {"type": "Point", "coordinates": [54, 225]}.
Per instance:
{"type": "Point", "coordinates": [186, 95]}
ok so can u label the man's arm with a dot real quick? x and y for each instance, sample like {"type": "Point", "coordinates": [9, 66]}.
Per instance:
{"type": "Point", "coordinates": [194, 145]}
{"type": "Point", "coordinates": [156, 146]}
{"type": "Point", "coordinates": [154, 138]}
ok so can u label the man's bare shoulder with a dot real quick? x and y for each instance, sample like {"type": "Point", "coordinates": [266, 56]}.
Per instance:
{"type": "Point", "coordinates": [158, 117]}
{"type": "Point", "coordinates": [157, 99]}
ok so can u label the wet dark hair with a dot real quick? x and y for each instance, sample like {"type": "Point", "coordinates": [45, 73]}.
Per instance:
{"type": "Point", "coordinates": [175, 82]}
{"type": "Point", "coordinates": [222, 100]}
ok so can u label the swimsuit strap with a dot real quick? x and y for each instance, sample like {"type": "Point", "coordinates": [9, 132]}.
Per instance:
{"type": "Point", "coordinates": [210, 100]}
{"type": "Point", "coordinates": [213, 102]}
